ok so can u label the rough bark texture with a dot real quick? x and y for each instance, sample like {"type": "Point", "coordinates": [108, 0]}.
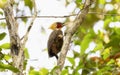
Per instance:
{"type": "Point", "coordinates": [17, 51]}
{"type": "Point", "coordinates": [69, 33]}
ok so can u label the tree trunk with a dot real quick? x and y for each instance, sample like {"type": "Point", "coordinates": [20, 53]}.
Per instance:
{"type": "Point", "coordinates": [17, 51]}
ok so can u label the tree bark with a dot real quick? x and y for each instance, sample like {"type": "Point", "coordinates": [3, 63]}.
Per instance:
{"type": "Point", "coordinates": [69, 33]}
{"type": "Point", "coordinates": [17, 51]}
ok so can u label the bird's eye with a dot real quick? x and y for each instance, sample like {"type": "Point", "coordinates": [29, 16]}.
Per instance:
{"type": "Point", "coordinates": [59, 25]}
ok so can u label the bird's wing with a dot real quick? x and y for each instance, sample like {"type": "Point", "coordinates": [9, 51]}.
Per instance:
{"type": "Point", "coordinates": [54, 43]}
{"type": "Point", "coordinates": [51, 39]}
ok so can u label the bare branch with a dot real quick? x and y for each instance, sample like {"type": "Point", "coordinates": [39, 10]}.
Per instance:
{"type": "Point", "coordinates": [31, 24]}
{"type": "Point", "coordinates": [43, 16]}
{"type": "Point", "coordinates": [65, 16]}
{"type": "Point", "coordinates": [75, 25]}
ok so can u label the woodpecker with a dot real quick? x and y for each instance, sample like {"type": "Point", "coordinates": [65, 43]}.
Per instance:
{"type": "Point", "coordinates": [55, 40]}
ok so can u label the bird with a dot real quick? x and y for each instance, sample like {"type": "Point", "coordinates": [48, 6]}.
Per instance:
{"type": "Point", "coordinates": [55, 40]}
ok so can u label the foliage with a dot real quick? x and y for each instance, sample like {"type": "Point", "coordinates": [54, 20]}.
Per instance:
{"type": "Point", "coordinates": [29, 3]}
{"type": "Point", "coordinates": [5, 63]}
{"type": "Point", "coordinates": [102, 59]}
{"type": "Point", "coordinates": [42, 71]}
{"type": "Point", "coordinates": [3, 3]}
{"type": "Point", "coordinates": [2, 35]}
{"type": "Point", "coordinates": [106, 41]}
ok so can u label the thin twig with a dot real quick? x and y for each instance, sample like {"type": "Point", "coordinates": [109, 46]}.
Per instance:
{"type": "Point", "coordinates": [65, 16]}
{"type": "Point", "coordinates": [43, 16]}
{"type": "Point", "coordinates": [31, 24]}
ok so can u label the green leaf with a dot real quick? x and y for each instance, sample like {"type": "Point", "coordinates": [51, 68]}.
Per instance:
{"type": "Point", "coordinates": [112, 61]}
{"type": "Point", "coordinates": [79, 66]}
{"type": "Point", "coordinates": [53, 70]}
{"type": "Point", "coordinates": [44, 71]}
{"type": "Point", "coordinates": [85, 43]}
{"type": "Point", "coordinates": [114, 43]}
{"type": "Point", "coordinates": [98, 46]}
{"type": "Point", "coordinates": [3, 24]}
{"type": "Point", "coordinates": [106, 53]}
{"type": "Point", "coordinates": [29, 3]}
{"type": "Point", "coordinates": [76, 54]}
{"type": "Point", "coordinates": [1, 56]}
{"type": "Point", "coordinates": [0, 49]}
{"type": "Point", "coordinates": [102, 1]}
{"type": "Point", "coordinates": [5, 46]}
{"type": "Point", "coordinates": [102, 71]}
{"type": "Point", "coordinates": [106, 22]}
{"type": "Point", "coordinates": [2, 35]}
{"type": "Point", "coordinates": [24, 20]}
{"type": "Point", "coordinates": [33, 72]}
{"type": "Point", "coordinates": [9, 67]}
{"type": "Point", "coordinates": [71, 60]}
{"type": "Point", "coordinates": [1, 13]}
{"type": "Point", "coordinates": [78, 1]}
{"type": "Point", "coordinates": [65, 72]}
{"type": "Point", "coordinates": [7, 57]}
{"type": "Point", "coordinates": [117, 30]}
{"type": "Point", "coordinates": [26, 53]}
{"type": "Point", "coordinates": [3, 3]}
{"type": "Point", "coordinates": [117, 1]}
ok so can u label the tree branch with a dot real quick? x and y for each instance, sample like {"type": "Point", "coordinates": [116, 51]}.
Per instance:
{"type": "Point", "coordinates": [65, 16]}
{"type": "Point", "coordinates": [69, 33]}
{"type": "Point", "coordinates": [43, 16]}
{"type": "Point", "coordinates": [25, 37]}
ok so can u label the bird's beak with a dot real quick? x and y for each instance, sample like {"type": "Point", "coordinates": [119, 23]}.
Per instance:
{"type": "Point", "coordinates": [53, 27]}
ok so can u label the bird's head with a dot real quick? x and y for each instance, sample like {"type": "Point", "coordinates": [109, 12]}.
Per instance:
{"type": "Point", "coordinates": [56, 25]}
